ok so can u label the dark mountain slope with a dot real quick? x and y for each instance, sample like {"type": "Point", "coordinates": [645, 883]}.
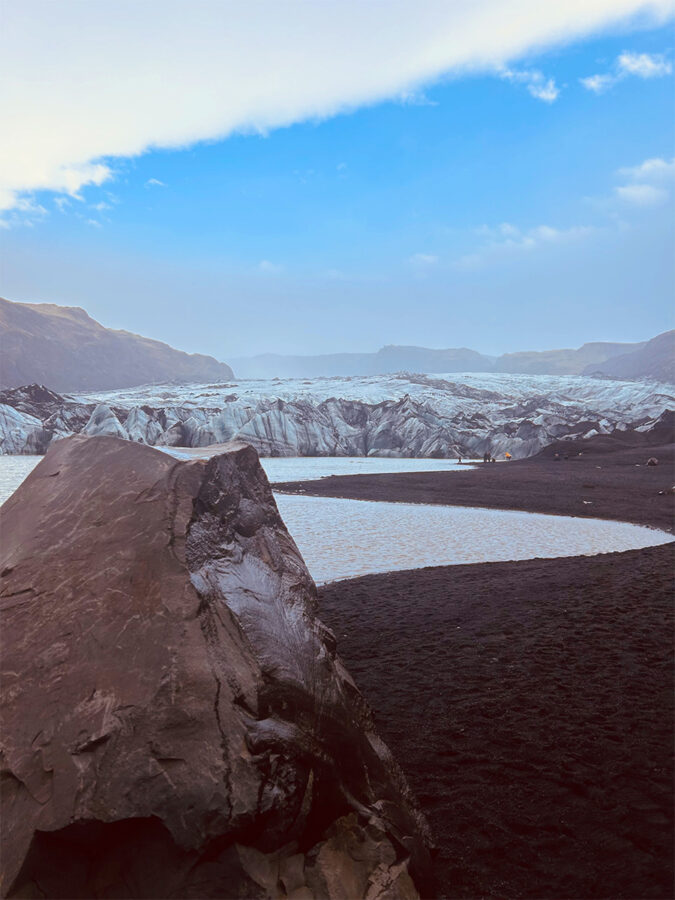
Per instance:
{"type": "Point", "coordinates": [63, 347]}
{"type": "Point", "coordinates": [562, 362]}
{"type": "Point", "coordinates": [655, 359]}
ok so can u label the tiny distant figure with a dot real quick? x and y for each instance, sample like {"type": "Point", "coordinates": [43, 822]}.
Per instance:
{"type": "Point", "coordinates": [508, 456]}
{"type": "Point", "coordinates": [493, 459]}
{"type": "Point", "coordinates": [486, 457]}
{"type": "Point", "coordinates": [459, 460]}
{"type": "Point", "coordinates": [652, 461]}
{"type": "Point", "coordinates": [557, 456]}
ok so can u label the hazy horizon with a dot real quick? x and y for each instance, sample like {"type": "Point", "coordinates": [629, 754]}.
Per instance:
{"type": "Point", "coordinates": [349, 351]}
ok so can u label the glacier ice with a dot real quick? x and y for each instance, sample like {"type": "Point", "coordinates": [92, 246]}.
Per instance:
{"type": "Point", "coordinates": [401, 415]}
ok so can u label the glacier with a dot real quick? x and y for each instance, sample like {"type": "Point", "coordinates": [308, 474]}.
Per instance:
{"type": "Point", "coordinates": [398, 415]}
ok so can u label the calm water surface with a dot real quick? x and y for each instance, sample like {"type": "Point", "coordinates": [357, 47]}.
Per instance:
{"type": "Point", "coordinates": [311, 468]}
{"type": "Point", "coordinates": [345, 538]}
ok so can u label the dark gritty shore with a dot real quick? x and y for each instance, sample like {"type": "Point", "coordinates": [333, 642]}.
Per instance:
{"type": "Point", "coordinates": [530, 703]}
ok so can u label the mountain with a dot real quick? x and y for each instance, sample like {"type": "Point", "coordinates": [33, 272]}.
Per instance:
{"type": "Point", "coordinates": [386, 361]}
{"type": "Point", "coordinates": [654, 359]}
{"type": "Point", "coordinates": [65, 348]}
{"type": "Point", "coordinates": [562, 362]}
{"type": "Point", "coordinates": [395, 358]}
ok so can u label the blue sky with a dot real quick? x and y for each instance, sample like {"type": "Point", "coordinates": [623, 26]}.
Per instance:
{"type": "Point", "coordinates": [509, 208]}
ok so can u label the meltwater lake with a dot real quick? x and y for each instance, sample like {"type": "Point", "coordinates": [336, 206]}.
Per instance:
{"type": "Point", "coordinates": [345, 538]}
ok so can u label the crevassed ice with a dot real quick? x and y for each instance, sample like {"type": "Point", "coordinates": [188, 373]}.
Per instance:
{"type": "Point", "coordinates": [443, 391]}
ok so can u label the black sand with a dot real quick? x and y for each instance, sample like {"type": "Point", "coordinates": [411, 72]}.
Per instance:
{"type": "Point", "coordinates": [530, 703]}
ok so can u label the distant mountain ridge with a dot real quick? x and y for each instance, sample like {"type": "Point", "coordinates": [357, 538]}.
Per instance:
{"type": "Point", "coordinates": [563, 362]}
{"type": "Point", "coordinates": [386, 361]}
{"type": "Point", "coordinates": [63, 347]}
{"type": "Point", "coordinates": [642, 359]}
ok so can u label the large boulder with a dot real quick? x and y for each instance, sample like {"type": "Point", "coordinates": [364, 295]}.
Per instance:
{"type": "Point", "coordinates": [176, 721]}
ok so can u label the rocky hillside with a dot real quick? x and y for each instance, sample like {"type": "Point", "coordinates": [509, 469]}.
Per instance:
{"type": "Point", "coordinates": [655, 359]}
{"type": "Point", "coordinates": [413, 416]}
{"type": "Point", "coordinates": [65, 348]}
{"type": "Point", "coordinates": [562, 362]}
{"type": "Point", "coordinates": [176, 720]}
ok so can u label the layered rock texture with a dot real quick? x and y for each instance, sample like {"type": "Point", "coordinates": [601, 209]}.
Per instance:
{"type": "Point", "coordinates": [387, 416]}
{"type": "Point", "coordinates": [176, 721]}
{"type": "Point", "coordinates": [65, 348]}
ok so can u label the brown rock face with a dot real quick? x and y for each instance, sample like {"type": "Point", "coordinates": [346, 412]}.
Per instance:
{"type": "Point", "coordinates": [176, 722]}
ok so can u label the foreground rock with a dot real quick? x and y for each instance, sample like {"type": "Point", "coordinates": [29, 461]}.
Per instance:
{"type": "Point", "coordinates": [176, 722]}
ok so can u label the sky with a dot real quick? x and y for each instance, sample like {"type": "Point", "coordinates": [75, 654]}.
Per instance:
{"type": "Point", "coordinates": [316, 177]}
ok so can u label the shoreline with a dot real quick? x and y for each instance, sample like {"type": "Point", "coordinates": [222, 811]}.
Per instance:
{"type": "Point", "coordinates": [607, 481]}
{"type": "Point", "coordinates": [529, 702]}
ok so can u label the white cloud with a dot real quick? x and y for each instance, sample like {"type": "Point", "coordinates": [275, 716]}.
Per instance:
{"type": "Point", "coordinates": [266, 266]}
{"type": "Point", "coordinates": [416, 98]}
{"type": "Point", "coordinates": [154, 182]}
{"type": "Point", "coordinates": [423, 259]}
{"type": "Point", "coordinates": [536, 82]}
{"type": "Point", "coordinates": [643, 65]}
{"type": "Point", "coordinates": [598, 83]}
{"type": "Point", "coordinates": [506, 238]}
{"type": "Point", "coordinates": [649, 183]}
{"type": "Point", "coordinates": [189, 75]}
{"type": "Point", "coordinates": [546, 91]}
{"type": "Point", "coordinates": [94, 224]}
{"type": "Point", "coordinates": [25, 211]}
{"type": "Point", "coordinates": [650, 170]}
{"type": "Point", "coordinates": [509, 235]}
{"type": "Point", "coordinates": [641, 194]}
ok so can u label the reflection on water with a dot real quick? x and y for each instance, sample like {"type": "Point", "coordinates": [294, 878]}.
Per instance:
{"type": "Point", "coordinates": [345, 538]}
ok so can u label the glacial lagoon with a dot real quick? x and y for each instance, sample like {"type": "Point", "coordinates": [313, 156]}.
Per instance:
{"type": "Point", "coordinates": [345, 538]}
